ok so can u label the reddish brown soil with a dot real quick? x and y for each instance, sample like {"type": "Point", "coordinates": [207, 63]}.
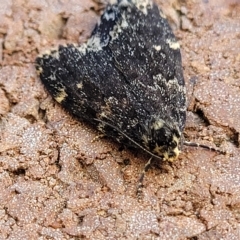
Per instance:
{"type": "Point", "coordinates": [57, 183]}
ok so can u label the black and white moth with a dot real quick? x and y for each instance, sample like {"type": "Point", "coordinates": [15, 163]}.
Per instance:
{"type": "Point", "coordinates": [127, 79]}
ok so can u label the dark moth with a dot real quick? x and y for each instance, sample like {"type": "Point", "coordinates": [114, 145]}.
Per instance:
{"type": "Point", "coordinates": [127, 79]}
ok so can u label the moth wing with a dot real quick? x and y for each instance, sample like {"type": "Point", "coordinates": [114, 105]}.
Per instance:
{"type": "Point", "coordinates": [123, 75]}
{"type": "Point", "coordinates": [145, 50]}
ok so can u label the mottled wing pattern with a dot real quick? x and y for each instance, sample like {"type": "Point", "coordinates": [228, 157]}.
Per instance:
{"type": "Point", "coordinates": [128, 73]}
{"type": "Point", "coordinates": [148, 55]}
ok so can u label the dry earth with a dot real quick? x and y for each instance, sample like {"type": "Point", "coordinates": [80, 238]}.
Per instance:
{"type": "Point", "coordinates": [56, 183]}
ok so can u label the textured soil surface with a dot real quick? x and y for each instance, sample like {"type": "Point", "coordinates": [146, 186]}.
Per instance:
{"type": "Point", "coordinates": [57, 182]}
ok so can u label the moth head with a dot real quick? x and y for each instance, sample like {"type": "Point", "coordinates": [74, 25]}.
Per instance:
{"type": "Point", "coordinates": [162, 138]}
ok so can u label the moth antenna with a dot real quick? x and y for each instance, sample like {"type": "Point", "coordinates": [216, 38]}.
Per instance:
{"type": "Point", "coordinates": [126, 136]}
{"type": "Point", "coordinates": [193, 144]}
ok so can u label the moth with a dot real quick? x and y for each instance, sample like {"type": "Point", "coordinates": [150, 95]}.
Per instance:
{"type": "Point", "coordinates": [127, 79]}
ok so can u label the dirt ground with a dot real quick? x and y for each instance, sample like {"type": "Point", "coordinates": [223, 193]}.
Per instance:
{"type": "Point", "coordinates": [57, 183]}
